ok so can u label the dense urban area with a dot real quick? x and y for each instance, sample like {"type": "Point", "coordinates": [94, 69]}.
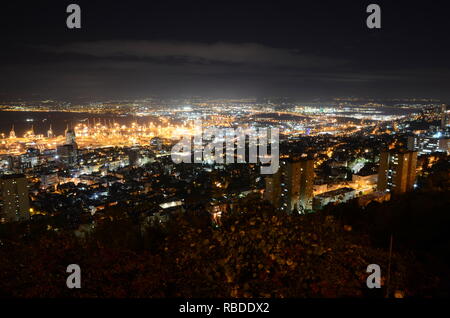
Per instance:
{"type": "Point", "coordinates": [94, 183]}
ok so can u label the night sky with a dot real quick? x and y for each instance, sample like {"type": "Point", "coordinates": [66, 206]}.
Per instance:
{"type": "Point", "coordinates": [306, 50]}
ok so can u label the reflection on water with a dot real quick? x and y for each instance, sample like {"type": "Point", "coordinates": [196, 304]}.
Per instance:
{"type": "Point", "coordinates": [41, 121]}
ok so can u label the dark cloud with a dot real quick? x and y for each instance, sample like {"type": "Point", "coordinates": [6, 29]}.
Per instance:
{"type": "Point", "coordinates": [238, 53]}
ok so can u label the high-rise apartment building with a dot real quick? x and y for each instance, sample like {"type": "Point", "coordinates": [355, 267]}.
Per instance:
{"type": "Point", "coordinates": [68, 152]}
{"type": "Point", "coordinates": [443, 116]}
{"type": "Point", "coordinates": [429, 143]}
{"type": "Point", "coordinates": [14, 200]}
{"type": "Point", "coordinates": [397, 171]}
{"type": "Point", "coordinates": [71, 138]}
{"type": "Point", "coordinates": [291, 188]}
